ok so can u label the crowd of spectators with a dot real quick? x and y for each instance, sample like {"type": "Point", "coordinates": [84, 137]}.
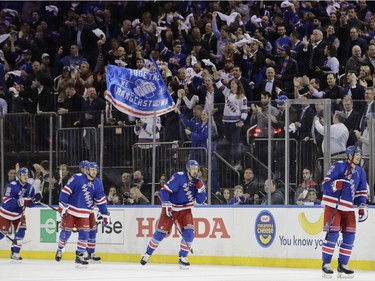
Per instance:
{"type": "Point", "coordinates": [248, 55]}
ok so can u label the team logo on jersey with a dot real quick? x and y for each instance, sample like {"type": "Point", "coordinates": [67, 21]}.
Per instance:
{"type": "Point", "coordinates": [265, 229]}
{"type": "Point", "coordinates": [312, 228]}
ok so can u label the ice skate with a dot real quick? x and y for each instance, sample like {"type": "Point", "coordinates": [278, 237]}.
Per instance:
{"type": "Point", "coordinates": [92, 258]}
{"type": "Point", "coordinates": [58, 255]}
{"type": "Point", "coordinates": [183, 263]}
{"type": "Point", "coordinates": [344, 272]}
{"type": "Point", "coordinates": [80, 261]}
{"type": "Point", "coordinates": [15, 258]}
{"type": "Point", "coordinates": [327, 271]}
{"type": "Point", "coordinates": [145, 258]}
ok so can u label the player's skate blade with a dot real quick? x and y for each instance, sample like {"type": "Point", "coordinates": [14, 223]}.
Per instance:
{"type": "Point", "coordinates": [327, 271]}
{"type": "Point", "coordinates": [145, 258]}
{"type": "Point", "coordinates": [183, 263]}
{"type": "Point", "coordinates": [92, 258]}
{"type": "Point", "coordinates": [80, 261]}
{"type": "Point", "coordinates": [344, 272]}
{"type": "Point", "coordinates": [15, 258]}
{"type": "Point", "coordinates": [58, 255]}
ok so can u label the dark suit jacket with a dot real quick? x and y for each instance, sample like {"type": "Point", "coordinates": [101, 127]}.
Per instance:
{"type": "Point", "coordinates": [291, 71]}
{"type": "Point", "coordinates": [248, 92]}
{"type": "Point", "coordinates": [262, 87]}
{"type": "Point", "coordinates": [306, 123]}
{"type": "Point", "coordinates": [297, 54]}
{"type": "Point", "coordinates": [201, 92]}
{"type": "Point", "coordinates": [358, 96]}
{"type": "Point", "coordinates": [352, 123]}
{"type": "Point", "coordinates": [334, 93]}
{"type": "Point", "coordinates": [318, 58]}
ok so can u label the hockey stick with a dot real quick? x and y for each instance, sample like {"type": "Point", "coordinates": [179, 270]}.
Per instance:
{"type": "Point", "coordinates": [179, 231]}
{"type": "Point", "coordinates": [339, 198]}
{"type": "Point", "coordinates": [49, 206]}
{"type": "Point", "coordinates": [15, 241]}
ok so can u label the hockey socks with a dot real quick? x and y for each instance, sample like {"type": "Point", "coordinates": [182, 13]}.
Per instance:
{"type": "Point", "coordinates": [16, 248]}
{"type": "Point", "coordinates": [91, 241]}
{"type": "Point", "coordinates": [63, 238]}
{"type": "Point", "coordinates": [186, 241]}
{"type": "Point", "coordinates": [328, 247]}
{"type": "Point", "coordinates": [346, 247]}
{"type": "Point", "coordinates": [155, 241]}
{"type": "Point", "coordinates": [83, 236]}
{"type": "Point", "coordinates": [152, 246]}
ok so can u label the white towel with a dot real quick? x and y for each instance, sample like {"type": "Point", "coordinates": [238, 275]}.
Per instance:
{"type": "Point", "coordinates": [52, 8]}
{"type": "Point", "coordinates": [228, 19]}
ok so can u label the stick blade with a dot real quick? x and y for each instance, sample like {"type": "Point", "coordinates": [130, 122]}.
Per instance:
{"type": "Point", "coordinates": [18, 242]}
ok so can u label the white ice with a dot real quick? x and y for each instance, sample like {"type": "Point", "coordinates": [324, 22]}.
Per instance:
{"type": "Point", "coordinates": [40, 270]}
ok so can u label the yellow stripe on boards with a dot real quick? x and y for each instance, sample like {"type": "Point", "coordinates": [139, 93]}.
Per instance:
{"type": "Point", "coordinates": [169, 259]}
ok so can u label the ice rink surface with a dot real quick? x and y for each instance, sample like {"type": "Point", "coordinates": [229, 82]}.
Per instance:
{"type": "Point", "coordinates": [40, 270]}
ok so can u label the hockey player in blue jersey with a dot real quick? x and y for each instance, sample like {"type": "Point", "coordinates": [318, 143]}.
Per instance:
{"type": "Point", "coordinates": [91, 243]}
{"type": "Point", "coordinates": [75, 206]}
{"type": "Point", "coordinates": [178, 197]}
{"type": "Point", "coordinates": [344, 187]}
{"type": "Point", "coordinates": [18, 195]}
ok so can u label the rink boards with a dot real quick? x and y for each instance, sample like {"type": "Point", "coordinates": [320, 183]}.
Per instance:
{"type": "Point", "coordinates": [243, 235]}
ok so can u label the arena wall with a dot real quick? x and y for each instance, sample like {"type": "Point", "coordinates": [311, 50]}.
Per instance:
{"type": "Point", "coordinates": [247, 236]}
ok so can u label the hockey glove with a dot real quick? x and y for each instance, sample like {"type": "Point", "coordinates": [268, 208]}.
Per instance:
{"type": "Point", "coordinates": [106, 218]}
{"type": "Point", "coordinates": [63, 209]}
{"type": "Point", "coordinates": [199, 184]}
{"type": "Point", "coordinates": [340, 184]}
{"type": "Point", "coordinates": [26, 201]}
{"type": "Point", "coordinates": [37, 198]}
{"type": "Point", "coordinates": [99, 217]}
{"type": "Point", "coordinates": [362, 213]}
{"type": "Point", "coordinates": [167, 206]}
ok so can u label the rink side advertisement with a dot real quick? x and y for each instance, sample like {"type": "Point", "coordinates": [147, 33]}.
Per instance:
{"type": "Point", "coordinates": [276, 236]}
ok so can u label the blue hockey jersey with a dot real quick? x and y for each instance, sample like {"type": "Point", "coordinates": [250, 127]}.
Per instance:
{"type": "Point", "coordinates": [81, 194]}
{"type": "Point", "coordinates": [10, 209]}
{"type": "Point", "coordinates": [356, 195]}
{"type": "Point", "coordinates": [181, 192]}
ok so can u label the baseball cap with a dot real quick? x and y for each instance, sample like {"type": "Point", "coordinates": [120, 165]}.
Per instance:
{"type": "Point", "coordinates": [66, 68]}
{"type": "Point", "coordinates": [45, 55]}
{"type": "Point", "coordinates": [284, 48]}
{"type": "Point", "coordinates": [84, 63]}
{"type": "Point", "coordinates": [282, 98]}
{"type": "Point", "coordinates": [312, 189]}
{"type": "Point", "coordinates": [27, 52]}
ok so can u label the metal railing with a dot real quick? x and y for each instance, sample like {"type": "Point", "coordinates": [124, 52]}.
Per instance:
{"type": "Point", "coordinates": [28, 138]}
{"type": "Point", "coordinates": [259, 156]}
{"type": "Point", "coordinates": [75, 144]}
